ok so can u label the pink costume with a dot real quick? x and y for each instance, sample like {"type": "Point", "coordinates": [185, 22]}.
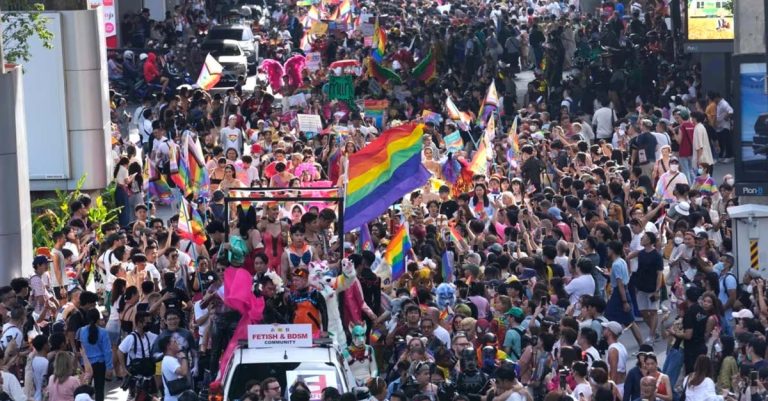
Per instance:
{"type": "Point", "coordinates": [274, 248]}
{"type": "Point", "coordinates": [354, 304]}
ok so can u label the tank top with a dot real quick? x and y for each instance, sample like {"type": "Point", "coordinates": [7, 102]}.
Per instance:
{"type": "Point", "coordinates": [622, 361]}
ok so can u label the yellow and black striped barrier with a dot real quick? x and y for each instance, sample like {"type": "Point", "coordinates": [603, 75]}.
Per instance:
{"type": "Point", "coordinates": [754, 259]}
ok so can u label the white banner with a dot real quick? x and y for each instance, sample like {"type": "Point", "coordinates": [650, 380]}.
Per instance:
{"type": "Point", "coordinates": [279, 335]}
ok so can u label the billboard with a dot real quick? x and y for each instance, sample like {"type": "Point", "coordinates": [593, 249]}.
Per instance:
{"type": "Point", "coordinates": [751, 119]}
{"type": "Point", "coordinates": [709, 20]}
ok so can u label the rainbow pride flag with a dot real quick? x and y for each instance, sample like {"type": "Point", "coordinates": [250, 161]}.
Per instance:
{"type": "Point", "coordinates": [193, 175]}
{"type": "Point", "coordinates": [210, 74]}
{"type": "Point", "coordinates": [379, 44]}
{"type": "Point", "coordinates": [382, 172]}
{"type": "Point", "coordinates": [190, 223]}
{"type": "Point", "coordinates": [455, 114]}
{"type": "Point", "coordinates": [397, 252]}
{"type": "Point", "coordinates": [479, 163]}
{"type": "Point", "coordinates": [514, 140]}
{"type": "Point", "coordinates": [365, 243]}
{"type": "Point", "coordinates": [376, 109]}
{"type": "Point", "coordinates": [489, 105]}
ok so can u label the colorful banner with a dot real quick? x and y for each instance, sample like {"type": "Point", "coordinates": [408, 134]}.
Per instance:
{"type": "Point", "coordinates": [341, 88]}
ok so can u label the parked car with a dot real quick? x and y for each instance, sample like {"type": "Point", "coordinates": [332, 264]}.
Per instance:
{"type": "Point", "coordinates": [244, 37]}
{"type": "Point", "coordinates": [231, 57]}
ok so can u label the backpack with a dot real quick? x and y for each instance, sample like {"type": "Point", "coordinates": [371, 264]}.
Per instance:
{"type": "Point", "coordinates": [602, 344]}
{"type": "Point", "coordinates": [525, 340]}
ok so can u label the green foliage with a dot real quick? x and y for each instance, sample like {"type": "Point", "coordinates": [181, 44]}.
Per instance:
{"type": "Point", "coordinates": [52, 214]}
{"type": "Point", "coordinates": [21, 20]}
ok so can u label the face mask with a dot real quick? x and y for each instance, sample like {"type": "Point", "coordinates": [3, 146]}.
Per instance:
{"type": "Point", "coordinates": [729, 181]}
{"type": "Point", "coordinates": [147, 327]}
{"type": "Point", "coordinates": [700, 171]}
{"type": "Point", "coordinates": [678, 240]}
{"type": "Point", "coordinates": [674, 168]}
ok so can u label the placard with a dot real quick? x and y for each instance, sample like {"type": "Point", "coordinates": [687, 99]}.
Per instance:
{"type": "Point", "coordinates": [279, 335]}
{"type": "Point", "coordinates": [318, 28]}
{"type": "Point", "coordinates": [313, 61]}
{"type": "Point", "coordinates": [366, 28]}
{"type": "Point", "coordinates": [341, 88]}
{"type": "Point", "coordinates": [310, 122]}
{"type": "Point", "coordinates": [453, 142]}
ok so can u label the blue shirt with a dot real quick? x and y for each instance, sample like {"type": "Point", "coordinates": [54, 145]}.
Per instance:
{"type": "Point", "coordinates": [619, 271]}
{"type": "Point", "coordinates": [99, 352]}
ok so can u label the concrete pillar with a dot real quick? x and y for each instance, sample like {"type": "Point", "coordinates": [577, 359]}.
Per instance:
{"type": "Point", "coordinates": [749, 23]}
{"type": "Point", "coordinates": [15, 215]}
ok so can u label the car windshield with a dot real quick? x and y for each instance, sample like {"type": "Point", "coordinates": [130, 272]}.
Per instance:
{"type": "Point", "coordinates": [223, 51]}
{"type": "Point", "coordinates": [316, 375]}
{"type": "Point", "coordinates": [234, 34]}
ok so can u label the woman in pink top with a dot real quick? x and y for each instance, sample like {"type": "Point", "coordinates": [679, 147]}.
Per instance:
{"type": "Point", "coordinates": [62, 383]}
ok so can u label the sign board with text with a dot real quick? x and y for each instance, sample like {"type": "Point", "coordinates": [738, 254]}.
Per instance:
{"type": "Point", "coordinates": [310, 123]}
{"type": "Point", "coordinates": [313, 61]}
{"type": "Point", "coordinates": [279, 335]}
{"type": "Point", "coordinates": [341, 88]}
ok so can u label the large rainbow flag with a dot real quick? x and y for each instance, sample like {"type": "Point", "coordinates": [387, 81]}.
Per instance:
{"type": "Point", "coordinates": [382, 172]}
{"type": "Point", "coordinates": [210, 74]}
{"type": "Point", "coordinates": [397, 252]}
{"type": "Point", "coordinates": [190, 223]}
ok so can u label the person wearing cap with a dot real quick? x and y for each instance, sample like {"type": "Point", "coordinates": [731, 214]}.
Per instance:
{"type": "Point", "coordinates": [513, 339]}
{"type": "Point", "coordinates": [684, 137]}
{"type": "Point", "coordinates": [668, 180]}
{"type": "Point", "coordinates": [616, 355]}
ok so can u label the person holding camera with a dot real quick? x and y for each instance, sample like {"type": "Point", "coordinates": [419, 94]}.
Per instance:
{"type": "Point", "coordinates": [174, 368]}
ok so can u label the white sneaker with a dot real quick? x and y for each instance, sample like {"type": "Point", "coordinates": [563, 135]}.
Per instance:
{"type": "Point", "coordinates": [648, 340]}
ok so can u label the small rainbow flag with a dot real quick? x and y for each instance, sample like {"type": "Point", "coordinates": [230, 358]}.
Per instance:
{"type": "Point", "coordinates": [379, 42]}
{"type": "Point", "coordinates": [514, 140]}
{"type": "Point", "coordinates": [160, 190]}
{"type": "Point", "coordinates": [427, 68]}
{"type": "Point", "coordinates": [365, 243]}
{"type": "Point", "coordinates": [397, 252]}
{"type": "Point", "coordinates": [431, 117]}
{"type": "Point", "coordinates": [490, 130]}
{"type": "Point", "coordinates": [479, 163]}
{"type": "Point", "coordinates": [210, 74]}
{"type": "Point", "coordinates": [190, 223]}
{"type": "Point", "coordinates": [454, 114]}
{"type": "Point", "coordinates": [382, 172]}
{"type": "Point", "coordinates": [489, 104]}
{"type": "Point", "coordinates": [345, 8]}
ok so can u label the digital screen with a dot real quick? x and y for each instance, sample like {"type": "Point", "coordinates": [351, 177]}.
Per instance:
{"type": "Point", "coordinates": [753, 119]}
{"type": "Point", "coordinates": [709, 19]}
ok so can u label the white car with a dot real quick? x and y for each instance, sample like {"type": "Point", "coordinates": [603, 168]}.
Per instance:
{"type": "Point", "coordinates": [319, 367]}
{"type": "Point", "coordinates": [231, 57]}
{"type": "Point", "coordinates": [244, 37]}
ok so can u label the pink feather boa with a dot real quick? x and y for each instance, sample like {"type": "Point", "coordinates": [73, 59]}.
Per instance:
{"type": "Point", "coordinates": [275, 72]}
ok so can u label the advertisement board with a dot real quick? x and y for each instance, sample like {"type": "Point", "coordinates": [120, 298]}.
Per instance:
{"type": "Point", "coordinates": [751, 117]}
{"type": "Point", "coordinates": [709, 20]}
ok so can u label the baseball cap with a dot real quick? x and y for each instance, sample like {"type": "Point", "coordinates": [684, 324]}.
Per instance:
{"type": "Point", "coordinates": [40, 260]}
{"type": "Point", "coordinates": [614, 327]}
{"type": "Point", "coordinates": [744, 314]}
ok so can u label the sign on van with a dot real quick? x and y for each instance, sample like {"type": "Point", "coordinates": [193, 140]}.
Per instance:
{"type": "Point", "coordinates": [279, 335]}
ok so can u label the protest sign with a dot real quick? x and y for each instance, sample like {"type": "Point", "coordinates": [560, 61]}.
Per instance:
{"type": "Point", "coordinates": [341, 88]}
{"type": "Point", "coordinates": [313, 61]}
{"type": "Point", "coordinates": [310, 123]}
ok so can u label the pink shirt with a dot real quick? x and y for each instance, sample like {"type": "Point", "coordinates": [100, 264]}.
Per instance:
{"type": "Point", "coordinates": [62, 391]}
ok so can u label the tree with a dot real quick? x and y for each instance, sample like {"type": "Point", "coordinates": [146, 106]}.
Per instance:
{"type": "Point", "coordinates": [21, 20]}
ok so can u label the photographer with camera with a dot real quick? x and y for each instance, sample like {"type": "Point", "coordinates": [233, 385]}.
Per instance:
{"type": "Point", "coordinates": [135, 355]}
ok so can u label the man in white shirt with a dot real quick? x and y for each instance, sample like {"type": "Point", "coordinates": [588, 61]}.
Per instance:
{"type": "Point", "coordinates": [581, 284]}
{"type": "Point", "coordinates": [39, 365]}
{"type": "Point", "coordinates": [202, 320]}
{"type": "Point", "coordinates": [12, 387]}
{"type": "Point", "coordinates": [602, 122]}
{"type": "Point", "coordinates": [138, 345]}
{"type": "Point", "coordinates": [174, 366]}
{"type": "Point", "coordinates": [231, 136]}
{"type": "Point", "coordinates": [724, 113]}
{"type": "Point", "coordinates": [12, 330]}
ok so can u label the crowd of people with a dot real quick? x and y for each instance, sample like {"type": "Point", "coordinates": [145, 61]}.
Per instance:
{"type": "Point", "coordinates": [598, 214]}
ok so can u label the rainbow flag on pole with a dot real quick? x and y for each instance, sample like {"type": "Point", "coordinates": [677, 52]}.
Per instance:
{"type": "Point", "coordinates": [514, 140]}
{"type": "Point", "coordinates": [455, 114]}
{"type": "Point", "coordinates": [397, 252]}
{"type": "Point", "coordinates": [490, 104]}
{"type": "Point", "coordinates": [382, 172]}
{"type": "Point", "coordinates": [479, 163]}
{"type": "Point", "coordinates": [379, 42]}
{"type": "Point", "coordinates": [365, 243]}
{"type": "Point", "coordinates": [190, 223]}
{"type": "Point", "coordinates": [210, 74]}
